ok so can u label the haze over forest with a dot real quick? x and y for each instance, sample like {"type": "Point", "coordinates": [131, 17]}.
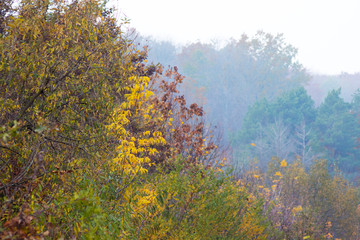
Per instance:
{"type": "Point", "coordinates": [256, 82]}
{"type": "Point", "coordinates": [107, 134]}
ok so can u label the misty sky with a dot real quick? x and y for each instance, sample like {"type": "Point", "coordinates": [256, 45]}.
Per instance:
{"type": "Point", "coordinates": [326, 32]}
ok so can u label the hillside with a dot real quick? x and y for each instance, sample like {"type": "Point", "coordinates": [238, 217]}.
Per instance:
{"type": "Point", "coordinates": [98, 142]}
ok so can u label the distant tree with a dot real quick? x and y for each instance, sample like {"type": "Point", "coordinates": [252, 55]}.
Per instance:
{"type": "Point", "coordinates": [259, 115]}
{"type": "Point", "coordinates": [163, 52]}
{"type": "Point", "coordinates": [241, 73]}
{"type": "Point", "coordinates": [280, 139]}
{"type": "Point", "coordinates": [335, 132]}
{"type": "Point", "coordinates": [302, 143]}
{"type": "Point", "coordinates": [278, 123]}
{"type": "Point", "coordinates": [355, 103]}
{"type": "Point", "coordinates": [320, 85]}
{"type": "Point", "coordinates": [295, 107]}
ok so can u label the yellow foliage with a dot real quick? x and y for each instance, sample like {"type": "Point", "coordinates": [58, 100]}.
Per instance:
{"type": "Point", "coordinates": [135, 148]}
{"type": "Point", "coordinates": [283, 163]}
{"type": "Point", "coordinates": [297, 209]}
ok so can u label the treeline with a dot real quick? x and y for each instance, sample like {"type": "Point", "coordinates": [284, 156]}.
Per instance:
{"type": "Point", "coordinates": [291, 127]}
{"type": "Point", "coordinates": [256, 92]}
{"type": "Point", "coordinates": [320, 85]}
{"type": "Point", "coordinates": [97, 143]}
{"type": "Point", "coordinates": [227, 80]}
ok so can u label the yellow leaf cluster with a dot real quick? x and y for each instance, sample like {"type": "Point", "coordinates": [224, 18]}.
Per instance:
{"type": "Point", "coordinates": [135, 148]}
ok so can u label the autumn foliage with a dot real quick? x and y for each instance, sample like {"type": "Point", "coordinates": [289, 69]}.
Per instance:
{"type": "Point", "coordinates": [96, 143]}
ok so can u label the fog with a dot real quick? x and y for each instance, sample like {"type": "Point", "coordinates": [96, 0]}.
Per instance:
{"type": "Point", "coordinates": [324, 31]}
{"type": "Point", "coordinates": [255, 91]}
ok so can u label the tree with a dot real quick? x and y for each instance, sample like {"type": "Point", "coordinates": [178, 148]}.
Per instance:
{"type": "Point", "coordinates": [355, 104]}
{"type": "Point", "coordinates": [302, 144]}
{"type": "Point", "coordinates": [279, 140]}
{"type": "Point", "coordinates": [260, 114]}
{"type": "Point", "coordinates": [83, 120]}
{"type": "Point", "coordinates": [335, 132]}
{"type": "Point", "coordinates": [58, 68]}
{"type": "Point", "coordinates": [163, 52]}
{"type": "Point", "coordinates": [295, 107]}
{"type": "Point", "coordinates": [274, 125]}
{"type": "Point", "coordinates": [68, 76]}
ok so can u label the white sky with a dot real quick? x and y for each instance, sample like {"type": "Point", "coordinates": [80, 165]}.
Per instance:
{"type": "Point", "coordinates": [326, 32]}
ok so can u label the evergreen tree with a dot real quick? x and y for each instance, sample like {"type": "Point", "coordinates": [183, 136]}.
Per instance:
{"type": "Point", "coordinates": [336, 131]}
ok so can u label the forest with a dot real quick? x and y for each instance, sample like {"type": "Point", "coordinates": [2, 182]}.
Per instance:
{"type": "Point", "coordinates": [107, 134]}
{"type": "Point", "coordinates": [266, 104]}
